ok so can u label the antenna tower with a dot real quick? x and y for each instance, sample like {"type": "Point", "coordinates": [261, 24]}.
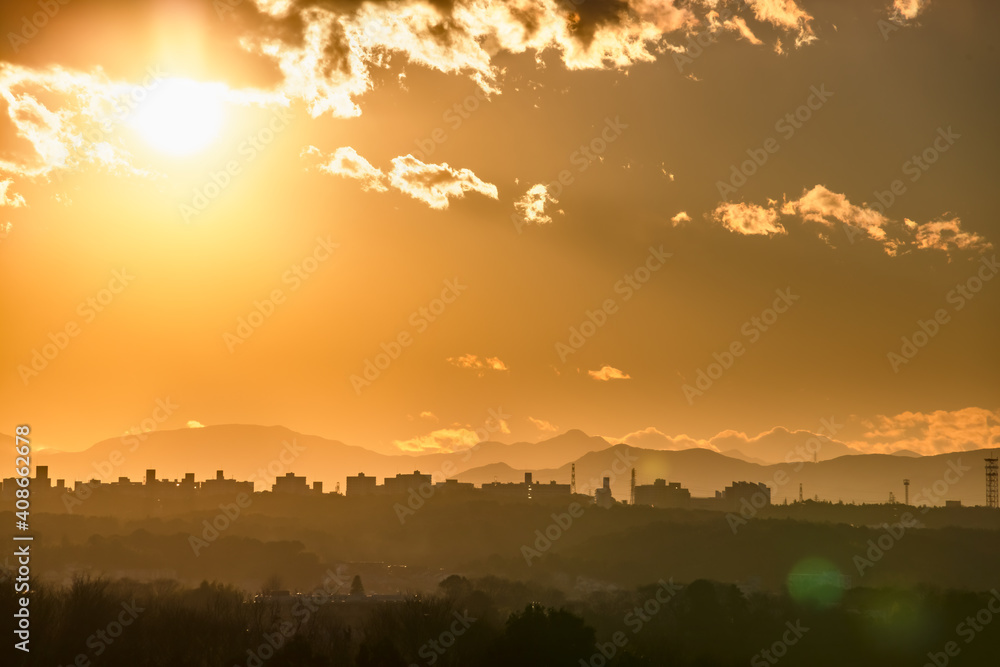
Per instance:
{"type": "Point", "coordinates": [991, 481]}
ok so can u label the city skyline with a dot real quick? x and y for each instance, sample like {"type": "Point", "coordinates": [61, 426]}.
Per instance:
{"type": "Point", "coordinates": [548, 333]}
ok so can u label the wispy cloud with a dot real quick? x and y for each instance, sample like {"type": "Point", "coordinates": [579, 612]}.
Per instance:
{"type": "Point", "coordinates": [929, 433]}
{"type": "Point", "coordinates": [543, 425]}
{"type": "Point", "coordinates": [828, 211]}
{"type": "Point", "coordinates": [442, 440]}
{"type": "Point", "coordinates": [748, 219]}
{"type": "Point", "coordinates": [433, 184]}
{"type": "Point", "coordinates": [7, 198]}
{"type": "Point", "coordinates": [606, 373]}
{"type": "Point", "coordinates": [680, 218]}
{"type": "Point", "coordinates": [907, 10]}
{"type": "Point", "coordinates": [531, 207]}
{"type": "Point", "coordinates": [477, 363]}
{"type": "Point", "coordinates": [346, 162]}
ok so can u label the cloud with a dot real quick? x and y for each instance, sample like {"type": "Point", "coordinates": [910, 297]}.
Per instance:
{"type": "Point", "coordinates": [427, 414]}
{"type": "Point", "coordinates": [927, 434]}
{"type": "Point", "coordinates": [326, 51]}
{"type": "Point", "coordinates": [787, 15]}
{"type": "Point", "coordinates": [330, 63]}
{"type": "Point", "coordinates": [531, 206]}
{"type": "Point", "coordinates": [748, 219]}
{"type": "Point", "coordinates": [782, 445]}
{"type": "Point", "coordinates": [608, 373]}
{"type": "Point", "coordinates": [195, 424]}
{"type": "Point", "coordinates": [346, 162]}
{"type": "Point", "coordinates": [543, 425]}
{"type": "Point", "coordinates": [907, 10]}
{"type": "Point", "coordinates": [67, 118]}
{"type": "Point", "coordinates": [71, 120]}
{"type": "Point", "coordinates": [931, 433]}
{"type": "Point", "coordinates": [653, 438]}
{"type": "Point", "coordinates": [443, 440]}
{"type": "Point", "coordinates": [14, 200]}
{"type": "Point", "coordinates": [832, 210]}
{"type": "Point", "coordinates": [827, 208]}
{"type": "Point", "coordinates": [480, 365]}
{"type": "Point", "coordinates": [947, 235]}
{"type": "Point", "coordinates": [739, 26]}
{"type": "Point", "coordinates": [433, 184]}
{"type": "Point", "coordinates": [680, 217]}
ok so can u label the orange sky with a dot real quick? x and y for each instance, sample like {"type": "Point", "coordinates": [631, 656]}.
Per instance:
{"type": "Point", "coordinates": [379, 222]}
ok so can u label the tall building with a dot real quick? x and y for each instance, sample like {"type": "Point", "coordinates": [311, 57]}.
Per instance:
{"type": "Point", "coordinates": [222, 486]}
{"type": "Point", "coordinates": [662, 494]}
{"type": "Point", "coordinates": [757, 494]}
{"type": "Point", "coordinates": [360, 485]}
{"type": "Point", "coordinates": [401, 484]}
{"type": "Point", "coordinates": [290, 483]}
{"type": "Point", "coordinates": [602, 496]}
{"type": "Point", "coordinates": [550, 490]}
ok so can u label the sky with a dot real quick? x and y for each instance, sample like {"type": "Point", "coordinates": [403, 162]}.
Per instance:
{"type": "Point", "coordinates": [402, 224]}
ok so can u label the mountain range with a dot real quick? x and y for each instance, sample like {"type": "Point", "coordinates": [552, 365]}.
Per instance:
{"type": "Point", "coordinates": [265, 452]}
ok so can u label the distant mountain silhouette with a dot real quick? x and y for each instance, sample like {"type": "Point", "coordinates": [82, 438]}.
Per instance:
{"type": "Point", "coordinates": [774, 446]}
{"type": "Point", "coordinates": [263, 452]}
{"type": "Point", "coordinates": [862, 478]}
{"type": "Point", "coordinates": [737, 454]}
{"type": "Point", "coordinates": [778, 444]}
{"type": "Point", "coordinates": [550, 453]}
{"type": "Point", "coordinates": [243, 450]}
{"type": "Point", "coordinates": [239, 450]}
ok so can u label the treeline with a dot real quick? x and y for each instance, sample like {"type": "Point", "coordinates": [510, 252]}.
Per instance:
{"type": "Point", "coordinates": [621, 546]}
{"type": "Point", "coordinates": [492, 622]}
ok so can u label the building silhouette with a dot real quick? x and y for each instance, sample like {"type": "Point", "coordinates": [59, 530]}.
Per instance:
{"type": "Point", "coordinates": [662, 494]}
{"type": "Point", "coordinates": [602, 495]}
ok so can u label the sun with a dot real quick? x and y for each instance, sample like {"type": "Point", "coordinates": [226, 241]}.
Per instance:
{"type": "Point", "coordinates": [180, 116]}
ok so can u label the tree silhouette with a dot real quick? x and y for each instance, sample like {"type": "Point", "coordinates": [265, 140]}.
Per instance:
{"type": "Point", "coordinates": [544, 637]}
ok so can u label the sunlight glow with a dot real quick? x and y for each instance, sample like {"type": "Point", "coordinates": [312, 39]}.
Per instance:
{"type": "Point", "coordinates": [181, 116]}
